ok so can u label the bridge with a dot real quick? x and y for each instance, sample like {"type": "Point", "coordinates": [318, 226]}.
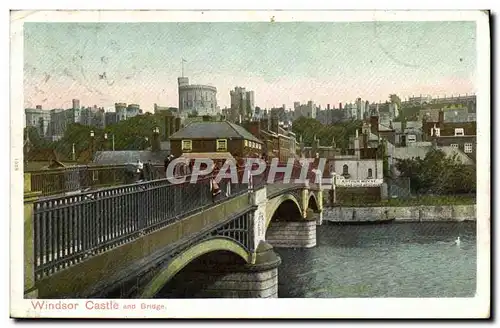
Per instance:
{"type": "Point", "coordinates": [157, 239]}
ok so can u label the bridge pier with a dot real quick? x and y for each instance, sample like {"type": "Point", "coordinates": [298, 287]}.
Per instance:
{"type": "Point", "coordinates": [218, 276]}
{"type": "Point", "coordinates": [300, 234]}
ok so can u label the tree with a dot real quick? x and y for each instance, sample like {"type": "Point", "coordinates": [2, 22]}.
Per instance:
{"type": "Point", "coordinates": [309, 128]}
{"type": "Point", "coordinates": [394, 99]}
{"type": "Point", "coordinates": [438, 174]}
{"type": "Point", "coordinates": [36, 141]}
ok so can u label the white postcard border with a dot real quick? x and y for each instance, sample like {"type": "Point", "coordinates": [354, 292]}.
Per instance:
{"type": "Point", "coordinates": [262, 308]}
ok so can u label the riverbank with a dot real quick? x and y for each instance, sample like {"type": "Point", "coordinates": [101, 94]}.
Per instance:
{"type": "Point", "coordinates": [380, 214]}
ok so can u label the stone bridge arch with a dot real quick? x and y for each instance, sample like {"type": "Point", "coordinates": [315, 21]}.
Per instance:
{"type": "Point", "coordinates": [296, 225]}
{"type": "Point", "coordinates": [275, 203]}
{"type": "Point", "coordinates": [179, 262]}
{"type": "Point", "coordinates": [313, 203]}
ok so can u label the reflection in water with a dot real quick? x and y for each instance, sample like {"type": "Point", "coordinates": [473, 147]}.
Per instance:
{"type": "Point", "coordinates": [389, 260]}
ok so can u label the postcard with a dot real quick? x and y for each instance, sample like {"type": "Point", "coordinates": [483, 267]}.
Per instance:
{"type": "Point", "coordinates": [250, 164]}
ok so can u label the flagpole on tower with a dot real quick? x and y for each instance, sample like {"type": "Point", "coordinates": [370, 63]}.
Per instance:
{"type": "Point", "coordinates": [182, 65]}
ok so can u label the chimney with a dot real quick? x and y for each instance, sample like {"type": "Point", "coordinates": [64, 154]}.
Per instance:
{"type": "Point", "coordinates": [403, 125]}
{"type": "Point", "coordinates": [177, 124]}
{"type": "Point", "coordinates": [264, 124]}
{"type": "Point", "coordinates": [340, 106]}
{"type": "Point", "coordinates": [328, 106]}
{"type": "Point", "coordinates": [441, 118]}
{"type": "Point", "coordinates": [365, 141]}
{"type": "Point", "coordinates": [38, 106]}
{"type": "Point", "coordinates": [254, 128]}
{"type": "Point", "coordinates": [374, 124]}
{"type": "Point", "coordinates": [155, 142]}
{"type": "Point", "coordinates": [274, 122]}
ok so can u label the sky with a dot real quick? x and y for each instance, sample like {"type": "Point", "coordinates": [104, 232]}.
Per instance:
{"type": "Point", "coordinates": [326, 62]}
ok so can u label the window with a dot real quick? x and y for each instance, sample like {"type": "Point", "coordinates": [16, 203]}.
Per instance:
{"type": "Point", "coordinates": [95, 175]}
{"type": "Point", "coordinates": [345, 170]}
{"type": "Point", "coordinates": [246, 143]}
{"type": "Point", "coordinates": [468, 148]}
{"type": "Point", "coordinates": [221, 145]}
{"type": "Point", "coordinates": [459, 132]}
{"type": "Point", "coordinates": [187, 145]}
{"type": "Point", "coordinates": [454, 146]}
{"type": "Point", "coordinates": [437, 131]}
{"type": "Point", "coordinates": [370, 173]}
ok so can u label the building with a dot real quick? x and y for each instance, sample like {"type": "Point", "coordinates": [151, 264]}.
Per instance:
{"type": "Point", "coordinates": [418, 101]}
{"type": "Point", "coordinates": [242, 104]}
{"type": "Point", "coordinates": [38, 118]}
{"type": "Point", "coordinates": [124, 111]}
{"type": "Point", "coordinates": [459, 135]}
{"type": "Point", "coordinates": [76, 104]}
{"type": "Point", "coordinates": [121, 111]}
{"type": "Point", "coordinates": [305, 110]}
{"type": "Point", "coordinates": [93, 116]}
{"type": "Point", "coordinates": [110, 118]}
{"type": "Point", "coordinates": [381, 130]}
{"type": "Point", "coordinates": [278, 141]}
{"type": "Point", "coordinates": [214, 136]}
{"type": "Point", "coordinates": [407, 132]}
{"type": "Point", "coordinates": [420, 150]}
{"type": "Point", "coordinates": [330, 115]}
{"type": "Point", "coordinates": [468, 101]}
{"type": "Point", "coordinates": [57, 124]}
{"type": "Point", "coordinates": [358, 162]}
{"type": "Point", "coordinates": [196, 98]}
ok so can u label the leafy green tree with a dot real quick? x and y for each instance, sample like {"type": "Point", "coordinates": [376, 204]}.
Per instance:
{"type": "Point", "coordinates": [78, 135]}
{"type": "Point", "coordinates": [135, 133]}
{"type": "Point", "coordinates": [394, 99]}
{"type": "Point", "coordinates": [36, 141]}
{"type": "Point", "coordinates": [309, 128]}
{"type": "Point", "coordinates": [438, 174]}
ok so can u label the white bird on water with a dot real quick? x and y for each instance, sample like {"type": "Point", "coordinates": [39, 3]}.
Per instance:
{"type": "Point", "coordinates": [457, 241]}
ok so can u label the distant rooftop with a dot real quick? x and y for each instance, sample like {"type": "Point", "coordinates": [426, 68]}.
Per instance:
{"type": "Point", "coordinates": [213, 130]}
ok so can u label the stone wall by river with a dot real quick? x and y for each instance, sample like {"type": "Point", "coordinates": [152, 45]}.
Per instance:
{"type": "Point", "coordinates": [453, 213]}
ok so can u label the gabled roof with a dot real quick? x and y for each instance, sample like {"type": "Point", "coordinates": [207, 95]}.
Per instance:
{"type": "Point", "coordinates": [213, 130]}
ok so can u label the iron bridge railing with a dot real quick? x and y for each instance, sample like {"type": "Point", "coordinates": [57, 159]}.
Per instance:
{"type": "Point", "coordinates": [70, 228]}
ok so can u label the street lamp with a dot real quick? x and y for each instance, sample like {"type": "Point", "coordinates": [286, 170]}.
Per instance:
{"type": "Point", "coordinates": [112, 140]}
{"type": "Point", "coordinates": [156, 130]}
{"type": "Point", "coordinates": [92, 143]}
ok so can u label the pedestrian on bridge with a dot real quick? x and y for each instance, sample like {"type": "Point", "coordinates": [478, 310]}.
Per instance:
{"type": "Point", "coordinates": [140, 169]}
{"type": "Point", "coordinates": [167, 162]}
{"type": "Point", "coordinates": [213, 184]}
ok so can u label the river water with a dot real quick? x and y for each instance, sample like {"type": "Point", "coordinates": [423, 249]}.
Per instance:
{"type": "Point", "coordinates": [386, 260]}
